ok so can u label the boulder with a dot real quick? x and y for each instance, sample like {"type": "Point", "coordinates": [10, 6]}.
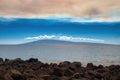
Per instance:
{"type": "Point", "coordinates": [75, 66]}
{"type": "Point", "coordinates": [68, 72]}
{"type": "Point", "coordinates": [16, 75]}
{"type": "Point", "coordinates": [57, 72]}
{"type": "Point", "coordinates": [33, 60]}
{"type": "Point", "coordinates": [49, 77]}
{"type": "Point", "coordinates": [64, 64]}
{"type": "Point", "coordinates": [1, 60]}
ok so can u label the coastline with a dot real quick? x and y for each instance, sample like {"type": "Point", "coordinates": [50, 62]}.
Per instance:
{"type": "Point", "coordinates": [33, 69]}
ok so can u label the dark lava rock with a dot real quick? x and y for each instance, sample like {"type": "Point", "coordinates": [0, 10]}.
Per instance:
{"type": "Point", "coordinates": [95, 74]}
{"type": "Point", "coordinates": [90, 66]}
{"type": "Point", "coordinates": [57, 72]}
{"type": "Point", "coordinates": [1, 59]}
{"type": "Point", "coordinates": [53, 65]}
{"type": "Point", "coordinates": [6, 59]}
{"type": "Point", "coordinates": [75, 66]}
{"type": "Point", "coordinates": [76, 76]}
{"type": "Point", "coordinates": [64, 64]}
{"type": "Point", "coordinates": [100, 66]}
{"type": "Point", "coordinates": [33, 69]}
{"type": "Point", "coordinates": [16, 75]}
{"type": "Point", "coordinates": [33, 60]}
{"type": "Point", "coordinates": [68, 72]}
{"type": "Point", "coordinates": [51, 78]}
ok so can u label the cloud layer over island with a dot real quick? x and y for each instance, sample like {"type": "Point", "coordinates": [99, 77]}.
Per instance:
{"type": "Point", "coordinates": [64, 38]}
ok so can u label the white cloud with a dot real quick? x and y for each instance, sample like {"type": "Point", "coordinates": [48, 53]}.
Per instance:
{"type": "Point", "coordinates": [41, 37]}
{"type": "Point", "coordinates": [6, 19]}
{"type": "Point", "coordinates": [63, 17]}
{"type": "Point", "coordinates": [64, 38]}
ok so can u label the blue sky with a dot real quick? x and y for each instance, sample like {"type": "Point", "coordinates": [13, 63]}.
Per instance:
{"type": "Point", "coordinates": [22, 30]}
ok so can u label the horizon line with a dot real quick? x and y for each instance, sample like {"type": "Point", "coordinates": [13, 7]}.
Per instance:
{"type": "Point", "coordinates": [62, 41]}
{"type": "Point", "coordinates": [63, 17]}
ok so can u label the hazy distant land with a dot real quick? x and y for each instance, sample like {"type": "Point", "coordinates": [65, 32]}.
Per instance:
{"type": "Point", "coordinates": [57, 51]}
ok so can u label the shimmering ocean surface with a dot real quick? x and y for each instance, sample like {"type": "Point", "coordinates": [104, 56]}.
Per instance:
{"type": "Point", "coordinates": [56, 52]}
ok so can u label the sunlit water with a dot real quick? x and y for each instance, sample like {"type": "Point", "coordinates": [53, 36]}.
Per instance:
{"type": "Point", "coordinates": [96, 53]}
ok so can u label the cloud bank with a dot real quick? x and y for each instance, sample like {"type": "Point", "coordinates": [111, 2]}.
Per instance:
{"type": "Point", "coordinates": [64, 38]}
{"type": "Point", "coordinates": [92, 8]}
{"type": "Point", "coordinates": [58, 17]}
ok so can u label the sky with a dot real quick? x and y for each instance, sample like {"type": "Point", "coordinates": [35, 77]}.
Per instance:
{"type": "Point", "coordinates": [22, 30]}
{"type": "Point", "coordinates": [80, 8]}
{"type": "Point", "coordinates": [96, 21]}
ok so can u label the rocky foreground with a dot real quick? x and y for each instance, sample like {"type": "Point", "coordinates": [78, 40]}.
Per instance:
{"type": "Point", "coordinates": [33, 69]}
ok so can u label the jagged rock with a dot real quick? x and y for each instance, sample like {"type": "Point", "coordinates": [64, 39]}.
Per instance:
{"type": "Point", "coordinates": [53, 65]}
{"type": "Point", "coordinates": [90, 65]}
{"type": "Point", "coordinates": [57, 72]}
{"type": "Point", "coordinates": [75, 66]}
{"type": "Point", "coordinates": [1, 60]}
{"type": "Point", "coordinates": [6, 59]}
{"type": "Point", "coordinates": [33, 60]}
{"type": "Point", "coordinates": [33, 69]}
{"type": "Point", "coordinates": [68, 72]}
{"type": "Point", "coordinates": [64, 64]}
{"type": "Point", "coordinates": [51, 78]}
{"type": "Point", "coordinates": [76, 76]}
{"type": "Point", "coordinates": [95, 74]}
{"type": "Point", "coordinates": [16, 75]}
{"type": "Point", "coordinates": [100, 66]}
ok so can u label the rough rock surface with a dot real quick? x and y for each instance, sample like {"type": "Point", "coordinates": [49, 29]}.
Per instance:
{"type": "Point", "coordinates": [33, 69]}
